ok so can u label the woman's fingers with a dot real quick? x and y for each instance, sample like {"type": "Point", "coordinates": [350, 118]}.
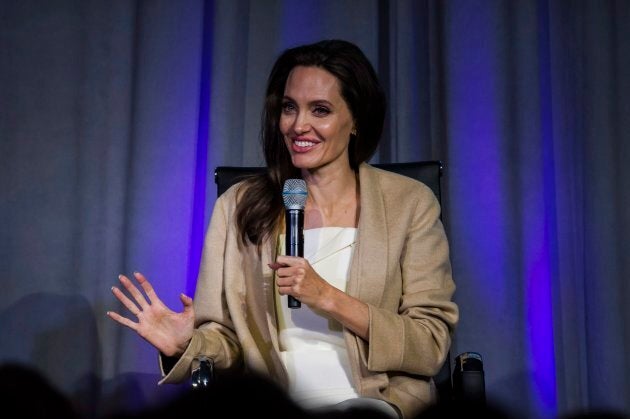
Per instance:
{"type": "Point", "coordinates": [186, 301]}
{"type": "Point", "coordinates": [290, 260]}
{"type": "Point", "coordinates": [122, 320]}
{"type": "Point", "coordinates": [275, 265]}
{"type": "Point", "coordinates": [131, 306]}
{"type": "Point", "coordinates": [147, 287]}
{"type": "Point", "coordinates": [134, 291]}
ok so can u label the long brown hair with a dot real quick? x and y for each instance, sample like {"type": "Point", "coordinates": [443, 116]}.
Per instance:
{"type": "Point", "coordinates": [260, 207]}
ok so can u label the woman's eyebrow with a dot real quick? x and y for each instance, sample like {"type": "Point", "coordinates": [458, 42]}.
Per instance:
{"type": "Point", "coordinates": [312, 102]}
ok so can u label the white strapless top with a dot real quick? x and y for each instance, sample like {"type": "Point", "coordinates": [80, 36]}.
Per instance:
{"type": "Point", "coordinates": [312, 346]}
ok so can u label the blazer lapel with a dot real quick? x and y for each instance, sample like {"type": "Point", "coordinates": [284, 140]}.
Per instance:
{"type": "Point", "coordinates": [268, 255]}
{"type": "Point", "coordinates": [369, 263]}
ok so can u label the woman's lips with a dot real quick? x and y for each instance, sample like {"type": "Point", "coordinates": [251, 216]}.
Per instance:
{"type": "Point", "coordinates": [302, 146]}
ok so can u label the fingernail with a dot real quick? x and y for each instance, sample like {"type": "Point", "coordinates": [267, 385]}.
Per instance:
{"type": "Point", "coordinates": [120, 276]}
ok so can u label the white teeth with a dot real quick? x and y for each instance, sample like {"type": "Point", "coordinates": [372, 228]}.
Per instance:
{"type": "Point", "coordinates": [304, 143]}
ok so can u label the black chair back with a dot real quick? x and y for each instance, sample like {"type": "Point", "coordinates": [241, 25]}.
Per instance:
{"type": "Point", "coordinates": [429, 172]}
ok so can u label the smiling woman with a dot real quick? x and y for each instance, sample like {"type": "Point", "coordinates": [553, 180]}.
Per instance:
{"type": "Point", "coordinates": [317, 126]}
{"type": "Point", "coordinates": [315, 121]}
{"type": "Point", "coordinates": [376, 284]}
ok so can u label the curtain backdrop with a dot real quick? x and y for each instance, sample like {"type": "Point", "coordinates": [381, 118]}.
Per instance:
{"type": "Point", "coordinates": [113, 115]}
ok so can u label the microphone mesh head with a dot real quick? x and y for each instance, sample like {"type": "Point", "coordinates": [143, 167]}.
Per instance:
{"type": "Point", "coordinates": [294, 194]}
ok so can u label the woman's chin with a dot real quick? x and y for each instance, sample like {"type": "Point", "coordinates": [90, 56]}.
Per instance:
{"type": "Point", "coordinates": [302, 163]}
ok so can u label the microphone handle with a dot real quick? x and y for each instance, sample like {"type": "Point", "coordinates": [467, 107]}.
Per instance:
{"type": "Point", "coordinates": [294, 242]}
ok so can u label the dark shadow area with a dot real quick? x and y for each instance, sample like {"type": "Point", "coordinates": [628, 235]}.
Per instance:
{"type": "Point", "coordinates": [26, 393]}
{"type": "Point", "coordinates": [596, 414]}
{"type": "Point", "coordinates": [136, 393]}
{"type": "Point", "coordinates": [57, 336]}
{"type": "Point", "coordinates": [234, 395]}
{"type": "Point", "coordinates": [239, 395]}
{"type": "Point", "coordinates": [462, 409]}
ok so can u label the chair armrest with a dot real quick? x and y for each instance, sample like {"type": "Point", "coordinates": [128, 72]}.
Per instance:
{"type": "Point", "coordinates": [468, 378]}
{"type": "Point", "coordinates": [202, 372]}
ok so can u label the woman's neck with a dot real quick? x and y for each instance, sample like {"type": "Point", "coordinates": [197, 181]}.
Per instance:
{"type": "Point", "coordinates": [333, 198]}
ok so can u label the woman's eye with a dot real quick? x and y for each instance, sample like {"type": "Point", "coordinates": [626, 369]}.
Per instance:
{"type": "Point", "coordinates": [321, 111]}
{"type": "Point", "coordinates": [288, 107]}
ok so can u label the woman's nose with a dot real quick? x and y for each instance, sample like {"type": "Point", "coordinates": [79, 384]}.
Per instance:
{"type": "Point", "coordinates": [302, 123]}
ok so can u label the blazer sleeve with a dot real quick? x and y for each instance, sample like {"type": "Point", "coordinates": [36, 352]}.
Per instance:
{"type": "Point", "coordinates": [416, 339]}
{"type": "Point", "coordinates": [214, 334]}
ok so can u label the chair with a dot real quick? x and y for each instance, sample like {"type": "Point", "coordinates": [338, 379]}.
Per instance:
{"type": "Point", "coordinates": [428, 172]}
{"type": "Point", "coordinates": [464, 383]}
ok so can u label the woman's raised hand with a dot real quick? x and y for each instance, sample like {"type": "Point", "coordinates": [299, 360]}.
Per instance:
{"type": "Point", "coordinates": [169, 331]}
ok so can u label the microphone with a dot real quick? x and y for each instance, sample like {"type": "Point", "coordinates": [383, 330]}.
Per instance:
{"type": "Point", "coordinates": [294, 196]}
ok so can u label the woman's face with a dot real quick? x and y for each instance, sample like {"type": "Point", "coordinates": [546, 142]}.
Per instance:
{"type": "Point", "coordinates": [315, 119]}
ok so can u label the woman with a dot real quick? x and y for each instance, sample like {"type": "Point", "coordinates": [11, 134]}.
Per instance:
{"type": "Point", "coordinates": [375, 284]}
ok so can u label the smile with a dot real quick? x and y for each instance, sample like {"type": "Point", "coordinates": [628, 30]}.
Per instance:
{"type": "Point", "coordinates": [302, 143]}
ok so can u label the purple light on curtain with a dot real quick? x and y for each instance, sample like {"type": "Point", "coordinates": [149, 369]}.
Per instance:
{"type": "Point", "coordinates": [540, 325]}
{"type": "Point", "coordinates": [501, 175]}
{"type": "Point", "coordinates": [540, 254]}
{"type": "Point", "coordinates": [476, 171]}
{"type": "Point", "coordinates": [197, 231]}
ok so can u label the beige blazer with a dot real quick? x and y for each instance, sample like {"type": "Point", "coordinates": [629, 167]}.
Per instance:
{"type": "Point", "coordinates": [400, 268]}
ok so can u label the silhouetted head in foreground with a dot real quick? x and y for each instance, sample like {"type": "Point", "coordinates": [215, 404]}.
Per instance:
{"type": "Point", "coordinates": [464, 409]}
{"type": "Point", "coordinates": [28, 394]}
{"type": "Point", "coordinates": [241, 395]}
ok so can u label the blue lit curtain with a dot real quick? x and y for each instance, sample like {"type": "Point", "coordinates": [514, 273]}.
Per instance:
{"type": "Point", "coordinates": [114, 114]}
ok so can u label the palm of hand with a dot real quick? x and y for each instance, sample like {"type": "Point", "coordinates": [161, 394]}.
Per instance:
{"type": "Point", "coordinates": [167, 330]}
